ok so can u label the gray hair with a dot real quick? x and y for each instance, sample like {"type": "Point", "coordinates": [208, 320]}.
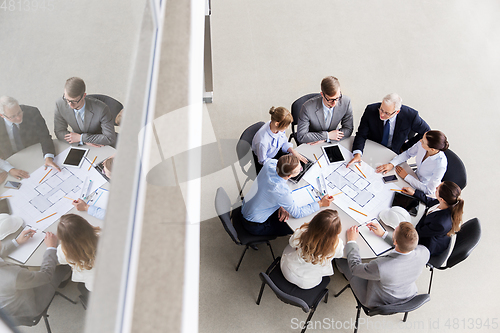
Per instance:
{"type": "Point", "coordinates": [395, 99]}
{"type": "Point", "coordinates": [6, 101]}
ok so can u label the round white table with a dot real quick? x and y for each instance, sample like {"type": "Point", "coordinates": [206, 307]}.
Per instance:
{"type": "Point", "coordinates": [374, 154]}
{"type": "Point", "coordinates": [30, 159]}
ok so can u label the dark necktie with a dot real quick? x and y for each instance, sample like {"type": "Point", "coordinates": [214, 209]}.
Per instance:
{"type": "Point", "coordinates": [385, 136]}
{"type": "Point", "coordinates": [17, 137]}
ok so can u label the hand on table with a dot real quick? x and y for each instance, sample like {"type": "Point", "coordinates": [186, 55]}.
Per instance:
{"type": "Point", "coordinates": [376, 228]}
{"type": "Point", "coordinates": [355, 159]}
{"type": "Point", "coordinates": [72, 137]}
{"type": "Point", "coordinates": [401, 172]}
{"type": "Point", "coordinates": [352, 233]}
{"type": "Point", "coordinates": [283, 215]}
{"type": "Point", "coordinates": [25, 235]}
{"type": "Point", "coordinates": [335, 135]}
{"type": "Point", "coordinates": [315, 142]}
{"type": "Point", "coordinates": [49, 162]}
{"type": "Point", "coordinates": [80, 205]}
{"type": "Point", "coordinates": [384, 168]}
{"type": "Point", "coordinates": [50, 239]}
{"type": "Point", "coordinates": [408, 190]}
{"type": "Point", "coordinates": [19, 174]}
{"type": "Point", "coordinates": [326, 201]}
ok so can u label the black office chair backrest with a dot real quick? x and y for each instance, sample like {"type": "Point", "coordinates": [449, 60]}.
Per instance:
{"type": "Point", "coordinates": [296, 107]}
{"type": "Point", "coordinates": [284, 297]}
{"type": "Point", "coordinates": [244, 145]}
{"type": "Point", "coordinates": [455, 171]}
{"type": "Point", "coordinates": [467, 239]}
{"type": "Point", "coordinates": [223, 209]}
{"type": "Point", "coordinates": [390, 309]}
{"type": "Point", "coordinates": [114, 106]}
{"type": "Point", "coordinates": [437, 261]}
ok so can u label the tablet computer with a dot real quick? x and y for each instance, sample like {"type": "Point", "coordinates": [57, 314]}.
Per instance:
{"type": "Point", "coordinates": [75, 157]}
{"type": "Point", "coordinates": [407, 202]}
{"type": "Point", "coordinates": [333, 154]}
{"type": "Point", "coordinates": [305, 167]}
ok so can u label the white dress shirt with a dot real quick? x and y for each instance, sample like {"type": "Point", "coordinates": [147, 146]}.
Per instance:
{"type": "Point", "coordinates": [266, 144]}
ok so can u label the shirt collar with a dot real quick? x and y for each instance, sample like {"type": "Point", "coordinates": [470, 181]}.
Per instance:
{"type": "Point", "coordinates": [82, 109]}
{"type": "Point", "coordinates": [392, 120]}
{"type": "Point", "coordinates": [325, 108]}
{"type": "Point", "coordinates": [268, 128]}
{"type": "Point", "coordinates": [10, 123]}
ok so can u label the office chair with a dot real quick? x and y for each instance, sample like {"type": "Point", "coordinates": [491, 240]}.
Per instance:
{"type": "Point", "coordinates": [246, 155]}
{"type": "Point", "coordinates": [235, 229]}
{"type": "Point", "coordinates": [289, 293]}
{"type": "Point", "coordinates": [388, 309]}
{"type": "Point", "coordinates": [114, 106]}
{"type": "Point", "coordinates": [455, 171]}
{"type": "Point", "coordinates": [296, 106]}
{"type": "Point", "coordinates": [466, 240]}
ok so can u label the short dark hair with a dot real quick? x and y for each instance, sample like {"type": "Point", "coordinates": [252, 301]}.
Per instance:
{"type": "Point", "coordinates": [75, 87]}
{"type": "Point", "coordinates": [407, 237]}
{"type": "Point", "coordinates": [330, 86]}
{"type": "Point", "coordinates": [286, 164]}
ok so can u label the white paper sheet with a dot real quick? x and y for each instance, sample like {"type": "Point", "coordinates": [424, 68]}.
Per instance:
{"type": "Point", "coordinates": [24, 251]}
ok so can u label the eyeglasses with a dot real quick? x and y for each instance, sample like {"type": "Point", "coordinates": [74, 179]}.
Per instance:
{"type": "Point", "coordinates": [387, 113]}
{"type": "Point", "coordinates": [17, 115]}
{"type": "Point", "coordinates": [332, 99]}
{"type": "Point", "coordinates": [71, 102]}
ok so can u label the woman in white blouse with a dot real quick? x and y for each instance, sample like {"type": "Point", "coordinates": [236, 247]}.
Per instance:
{"type": "Point", "coordinates": [431, 162]}
{"type": "Point", "coordinates": [270, 141]}
{"type": "Point", "coordinates": [78, 245]}
{"type": "Point", "coordinates": [311, 249]}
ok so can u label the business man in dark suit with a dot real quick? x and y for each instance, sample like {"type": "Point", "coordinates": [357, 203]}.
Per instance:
{"type": "Point", "coordinates": [320, 116]}
{"type": "Point", "coordinates": [24, 292]}
{"type": "Point", "coordinates": [90, 120]}
{"type": "Point", "coordinates": [22, 126]}
{"type": "Point", "coordinates": [389, 124]}
{"type": "Point", "coordinates": [389, 279]}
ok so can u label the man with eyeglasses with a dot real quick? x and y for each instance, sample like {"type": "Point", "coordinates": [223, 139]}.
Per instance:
{"type": "Point", "coordinates": [90, 120]}
{"type": "Point", "coordinates": [388, 123]}
{"type": "Point", "coordinates": [320, 116]}
{"type": "Point", "coordinates": [22, 126]}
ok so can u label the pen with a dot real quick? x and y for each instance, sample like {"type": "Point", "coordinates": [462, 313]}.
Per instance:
{"type": "Point", "coordinates": [357, 211]}
{"type": "Point", "coordinates": [317, 160]}
{"type": "Point", "coordinates": [92, 163]}
{"type": "Point", "coordinates": [396, 190]}
{"type": "Point", "coordinates": [360, 170]}
{"type": "Point", "coordinates": [6, 196]}
{"type": "Point", "coordinates": [44, 176]}
{"type": "Point", "coordinates": [47, 217]}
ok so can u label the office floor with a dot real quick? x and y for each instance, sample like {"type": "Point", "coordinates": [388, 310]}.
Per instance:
{"type": "Point", "coordinates": [440, 56]}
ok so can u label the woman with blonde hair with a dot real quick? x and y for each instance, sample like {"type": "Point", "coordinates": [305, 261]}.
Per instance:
{"type": "Point", "coordinates": [311, 249]}
{"type": "Point", "coordinates": [78, 245]}
{"type": "Point", "coordinates": [270, 141]}
{"type": "Point", "coordinates": [442, 218]}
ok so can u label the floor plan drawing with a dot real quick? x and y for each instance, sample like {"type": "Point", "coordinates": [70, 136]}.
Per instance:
{"type": "Point", "coordinates": [351, 184]}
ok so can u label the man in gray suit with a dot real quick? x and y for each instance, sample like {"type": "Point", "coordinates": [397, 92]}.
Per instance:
{"type": "Point", "coordinates": [320, 116]}
{"type": "Point", "coordinates": [90, 119]}
{"type": "Point", "coordinates": [24, 292]}
{"type": "Point", "coordinates": [389, 279]}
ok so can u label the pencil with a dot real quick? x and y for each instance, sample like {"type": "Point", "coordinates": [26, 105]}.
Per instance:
{"type": "Point", "coordinates": [360, 170]}
{"type": "Point", "coordinates": [357, 211]}
{"type": "Point", "coordinates": [69, 198]}
{"type": "Point", "coordinates": [337, 194]}
{"type": "Point", "coordinates": [47, 217]}
{"type": "Point", "coordinates": [317, 160]}
{"type": "Point", "coordinates": [396, 190]}
{"type": "Point", "coordinates": [92, 163]}
{"type": "Point", "coordinates": [6, 196]}
{"type": "Point", "coordinates": [44, 176]}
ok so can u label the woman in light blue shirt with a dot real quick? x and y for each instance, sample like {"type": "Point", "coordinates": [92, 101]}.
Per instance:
{"type": "Point", "coordinates": [431, 162]}
{"type": "Point", "coordinates": [270, 140]}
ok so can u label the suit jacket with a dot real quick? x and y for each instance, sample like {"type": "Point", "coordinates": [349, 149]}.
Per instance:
{"type": "Point", "coordinates": [311, 123]}
{"type": "Point", "coordinates": [18, 288]}
{"type": "Point", "coordinates": [433, 228]}
{"type": "Point", "coordinates": [388, 279]}
{"type": "Point", "coordinates": [32, 130]}
{"type": "Point", "coordinates": [371, 127]}
{"type": "Point", "coordinates": [99, 126]}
